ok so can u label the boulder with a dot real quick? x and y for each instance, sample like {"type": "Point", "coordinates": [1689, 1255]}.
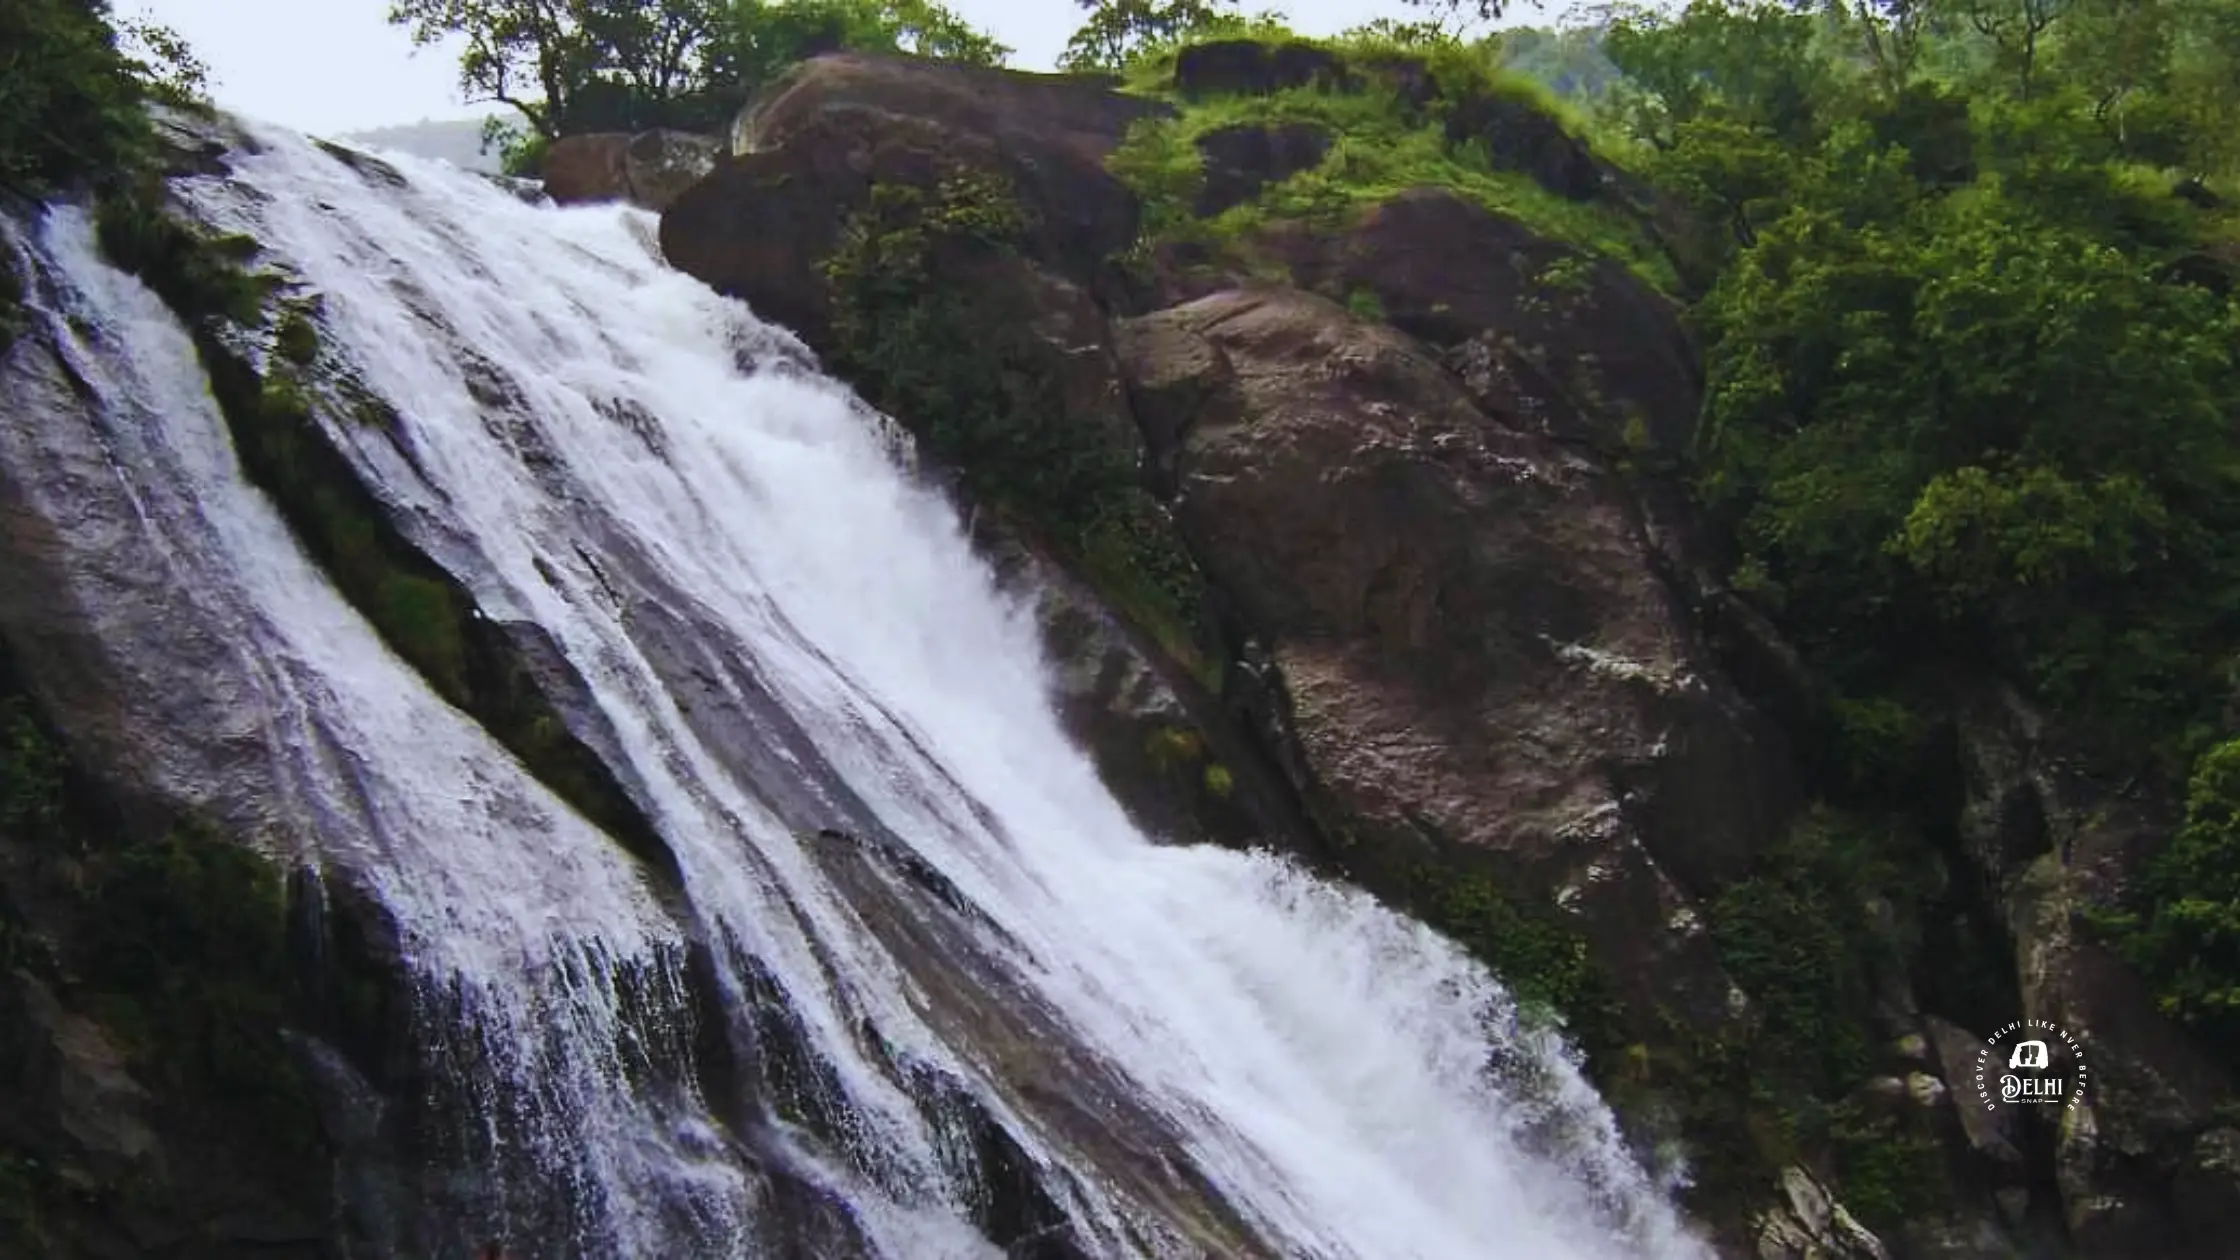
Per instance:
{"type": "Point", "coordinates": [588, 168]}
{"type": "Point", "coordinates": [1476, 648]}
{"type": "Point", "coordinates": [809, 155]}
{"type": "Point", "coordinates": [660, 165]}
{"type": "Point", "coordinates": [1810, 1225]}
{"type": "Point", "coordinates": [1241, 160]}
{"type": "Point", "coordinates": [650, 170]}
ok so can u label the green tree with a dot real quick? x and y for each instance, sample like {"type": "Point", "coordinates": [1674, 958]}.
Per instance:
{"type": "Point", "coordinates": [1748, 64]}
{"type": "Point", "coordinates": [2187, 937]}
{"type": "Point", "coordinates": [1118, 32]}
{"type": "Point", "coordinates": [529, 55]}
{"type": "Point", "coordinates": [568, 66]}
{"type": "Point", "coordinates": [761, 39]}
{"type": "Point", "coordinates": [72, 90]}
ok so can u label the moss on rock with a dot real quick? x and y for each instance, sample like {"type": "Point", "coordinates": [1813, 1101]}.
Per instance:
{"type": "Point", "coordinates": [1397, 120]}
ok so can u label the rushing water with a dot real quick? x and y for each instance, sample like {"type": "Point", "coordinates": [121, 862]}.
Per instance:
{"type": "Point", "coordinates": [1192, 1051]}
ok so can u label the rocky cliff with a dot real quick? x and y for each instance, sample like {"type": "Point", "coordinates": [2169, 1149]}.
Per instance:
{"type": "Point", "coordinates": [1363, 510]}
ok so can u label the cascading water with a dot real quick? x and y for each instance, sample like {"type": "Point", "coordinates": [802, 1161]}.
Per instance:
{"type": "Point", "coordinates": [1188, 1051]}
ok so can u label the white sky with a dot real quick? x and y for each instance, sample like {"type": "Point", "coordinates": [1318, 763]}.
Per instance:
{"type": "Point", "coordinates": [337, 65]}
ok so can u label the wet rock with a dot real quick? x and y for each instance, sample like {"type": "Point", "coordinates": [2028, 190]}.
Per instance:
{"type": "Point", "coordinates": [588, 168]}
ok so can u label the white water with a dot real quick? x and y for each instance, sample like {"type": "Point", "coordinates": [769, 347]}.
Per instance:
{"type": "Point", "coordinates": [1327, 1065]}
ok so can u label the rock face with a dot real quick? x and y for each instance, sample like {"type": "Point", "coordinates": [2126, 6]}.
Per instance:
{"type": "Point", "coordinates": [650, 170]}
{"type": "Point", "coordinates": [587, 168]}
{"type": "Point", "coordinates": [1476, 646]}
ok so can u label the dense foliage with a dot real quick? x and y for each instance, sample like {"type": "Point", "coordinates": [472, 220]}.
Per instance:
{"type": "Point", "coordinates": [2189, 936]}
{"type": "Point", "coordinates": [1966, 276]}
{"type": "Point", "coordinates": [73, 85]}
{"type": "Point", "coordinates": [627, 65]}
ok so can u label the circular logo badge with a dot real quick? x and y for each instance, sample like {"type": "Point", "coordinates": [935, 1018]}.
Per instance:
{"type": "Point", "coordinates": [2030, 1063]}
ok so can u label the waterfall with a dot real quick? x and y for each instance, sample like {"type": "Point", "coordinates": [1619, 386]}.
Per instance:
{"type": "Point", "coordinates": [949, 964]}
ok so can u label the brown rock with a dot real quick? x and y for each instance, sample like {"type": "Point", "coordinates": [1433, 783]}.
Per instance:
{"type": "Point", "coordinates": [1475, 643]}
{"type": "Point", "coordinates": [651, 169]}
{"type": "Point", "coordinates": [661, 165]}
{"type": "Point", "coordinates": [588, 168]}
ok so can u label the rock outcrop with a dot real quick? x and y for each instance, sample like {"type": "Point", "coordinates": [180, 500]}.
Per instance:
{"type": "Point", "coordinates": [1547, 338]}
{"type": "Point", "coordinates": [650, 170]}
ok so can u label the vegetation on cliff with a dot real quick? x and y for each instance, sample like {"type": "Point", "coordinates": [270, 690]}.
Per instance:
{"type": "Point", "coordinates": [1385, 110]}
{"type": "Point", "coordinates": [1974, 367]}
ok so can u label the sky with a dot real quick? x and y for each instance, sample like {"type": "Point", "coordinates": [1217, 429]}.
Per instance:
{"type": "Point", "coordinates": [331, 66]}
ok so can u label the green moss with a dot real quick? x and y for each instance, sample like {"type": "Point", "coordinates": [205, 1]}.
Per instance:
{"type": "Point", "coordinates": [1890, 1173]}
{"type": "Point", "coordinates": [297, 339]}
{"type": "Point", "coordinates": [173, 938]}
{"type": "Point", "coordinates": [1540, 956]}
{"type": "Point", "coordinates": [1795, 936]}
{"type": "Point", "coordinates": [12, 319]}
{"type": "Point", "coordinates": [197, 274]}
{"type": "Point", "coordinates": [1382, 147]}
{"type": "Point", "coordinates": [1366, 305]}
{"type": "Point", "coordinates": [1171, 746]}
{"type": "Point", "coordinates": [191, 967]}
{"type": "Point", "coordinates": [1219, 781]}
